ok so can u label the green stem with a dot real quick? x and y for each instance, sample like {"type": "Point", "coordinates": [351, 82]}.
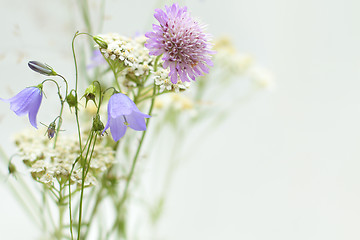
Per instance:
{"type": "Point", "coordinates": [29, 208]}
{"type": "Point", "coordinates": [59, 232]}
{"type": "Point", "coordinates": [31, 204]}
{"type": "Point", "coordinates": [84, 173]}
{"type": "Point", "coordinates": [77, 124]}
{"type": "Point", "coordinates": [59, 124]}
{"type": "Point", "coordinates": [132, 169]}
{"type": "Point", "coordinates": [76, 88]}
{"type": "Point", "coordinates": [115, 74]}
{"type": "Point", "coordinates": [94, 210]}
{"type": "Point", "coordinates": [86, 15]}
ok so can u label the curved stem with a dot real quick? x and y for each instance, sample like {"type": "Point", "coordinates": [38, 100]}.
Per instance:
{"type": "Point", "coordinates": [76, 88]}
{"type": "Point", "coordinates": [100, 97]}
{"type": "Point", "coordinates": [62, 101]}
{"type": "Point", "coordinates": [66, 85]}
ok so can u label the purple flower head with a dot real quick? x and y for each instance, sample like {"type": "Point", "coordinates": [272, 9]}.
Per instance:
{"type": "Point", "coordinates": [27, 101]}
{"type": "Point", "coordinates": [185, 47]}
{"type": "Point", "coordinates": [123, 113]}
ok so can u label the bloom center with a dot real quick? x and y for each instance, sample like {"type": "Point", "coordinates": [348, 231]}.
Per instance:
{"type": "Point", "coordinates": [182, 42]}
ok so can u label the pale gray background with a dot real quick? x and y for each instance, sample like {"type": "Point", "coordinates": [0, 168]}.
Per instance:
{"type": "Point", "coordinates": [285, 165]}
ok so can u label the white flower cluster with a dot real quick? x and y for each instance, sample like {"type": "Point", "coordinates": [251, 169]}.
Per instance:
{"type": "Point", "coordinates": [47, 164]}
{"type": "Point", "coordinates": [161, 78]}
{"type": "Point", "coordinates": [129, 51]}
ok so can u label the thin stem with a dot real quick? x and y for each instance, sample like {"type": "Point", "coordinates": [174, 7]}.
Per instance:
{"type": "Point", "coordinates": [131, 173]}
{"type": "Point", "coordinates": [59, 232]}
{"type": "Point", "coordinates": [148, 97]}
{"type": "Point", "coordinates": [66, 85]}
{"type": "Point", "coordinates": [76, 88]}
{"type": "Point", "coordinates": [62, 100]}
{"type": "Point", "coordinates": [115, 74]}
{"type": "Point", "coordinates": [47, 206]}
{"type": "Point", "coordinates": [86, 15]}
{"type": "Point", "coordinates": [102, 15]}
{"type": "Point", "coordinates": [24, 189]}
{"type": "Point", "coordinates": [100, 97]}
{"type": "Point", "coordinates": [78, 127]}
{"type": "Point", "coordinates": [59, 124]}
{"type": "Point", "coordinates": [94, 210]}
{"type": "Point", "coordinates": [27, 206]}
{"type": "Point", "coordinates": [84, 173]}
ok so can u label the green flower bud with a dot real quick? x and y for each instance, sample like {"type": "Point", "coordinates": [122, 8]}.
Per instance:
{"type": "Point", "coordinates": [42, 68]}
{"type": "Point", "coordinates": [71, 99]}
{"type": "Point", "coordinates": [98, 126]}
{"type": "Point", "coordinates": [11, 168]}
{"type": "Point", "coordinates": [90, 93]}
{"type": "Point", "coordinates": [100, 41]}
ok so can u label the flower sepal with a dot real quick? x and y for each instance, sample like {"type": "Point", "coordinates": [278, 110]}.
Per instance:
{"type": "Point", "coordinates": [71, 99]}
{"type": "Point", "coordinates": [97, 126]}
{"type": "Point", "coordinates": [100, 41]}
{"type": "Point", "coordinates": [90, 94]}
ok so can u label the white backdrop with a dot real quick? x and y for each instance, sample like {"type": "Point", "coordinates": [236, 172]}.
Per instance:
{"type": "Point", "coordinates": [285, 165]}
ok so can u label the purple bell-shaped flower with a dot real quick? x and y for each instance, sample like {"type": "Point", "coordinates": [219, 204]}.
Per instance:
{"type": "Point", "coordinates": [123, 113]}
{"type": "Point", "coordinates": [27, 102]}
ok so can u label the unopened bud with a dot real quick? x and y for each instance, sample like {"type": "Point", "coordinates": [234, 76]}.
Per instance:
{"type": "Point", "coordinates": [42, 68]}
{"type": "Point", "coordinates": [51, 130]}
{"type": "Point", "coordinates": [100, 41]}
{"type": "Point", "coordinates": [71, 99]}
{"type": "Point", "coordinates": [11, 168]}
{"type": "Point", "coordinates": [97, 124]}
{"type": "Point", "coordinates": [90, 94]}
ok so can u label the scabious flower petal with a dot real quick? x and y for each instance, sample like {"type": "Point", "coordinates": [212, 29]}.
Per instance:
{"type": "Point", "coordinates": [184, 45]}
{"type": "Point", "coordinates": [27, 101]}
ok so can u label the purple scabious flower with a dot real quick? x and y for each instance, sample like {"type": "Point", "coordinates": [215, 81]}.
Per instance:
{"type": "Point", "coordinates": [123, 113]}
{"type": "Point", "coordinates": [27, 102]}
{"type": "Point", "coordinates": [185, 47]}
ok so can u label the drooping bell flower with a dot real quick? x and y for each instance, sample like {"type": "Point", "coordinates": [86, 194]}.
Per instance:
{"type": "Point", "coordinates": [27, 102]}
{"type": "Point", "coordinates": [123, 113]}
{"type": "Point", "coordinates": [185, 46]}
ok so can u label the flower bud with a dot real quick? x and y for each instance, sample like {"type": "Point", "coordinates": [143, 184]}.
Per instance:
{"type": "Point", "coordinates": [90, 94]}
{"type": "Point", "coordinates": [100, 41]}
{"type": "Point", "coordinates": [42, 68]}
{"type": "Point", "coordinates": [11, 168]}
{"type": "Point", "coordinates": [51, 130]}
{"type": "Point", "coordinates": [97, 124]}
{"type": "Point", "coordinates": [71, 99]}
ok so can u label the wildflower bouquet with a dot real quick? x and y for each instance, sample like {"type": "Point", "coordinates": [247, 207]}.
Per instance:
{"type": "Point", "coordinates": [81, 177]}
